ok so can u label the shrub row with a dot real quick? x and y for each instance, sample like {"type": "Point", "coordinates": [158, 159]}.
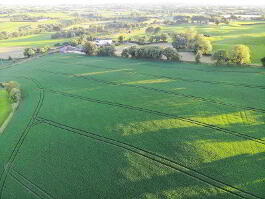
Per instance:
{"type": "Point", "coordinates": [151, 52]}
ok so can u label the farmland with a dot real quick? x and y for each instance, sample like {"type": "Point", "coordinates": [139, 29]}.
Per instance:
{"type": "Point", "coordinates": [5, 106]}
{"type": "Point", "coordinates": [109, 127]}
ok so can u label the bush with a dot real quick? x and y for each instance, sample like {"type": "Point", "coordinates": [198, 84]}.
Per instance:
{"type": "Point", "coordinates": [171, 54]}
{"type": "Point", "coordinates": [240, 55]}
{"type": "Point", "coordinates": [90, 48]}
{"type": "Point", "coordinates": [202, 44]}
{"type": "Point", "coordinates": [198, 56]}
{"type": "Point", "coordinates": [121, 38]}
{"type": "Point", "coordinates": [106, 51]}
{"type": "Point", "coordinates": [221, 57]}
{"type": "Point", "coordinates": [29, 52]}
{"type": "Point", "coordinates": [179, 41]}
{"type": "Point", "coordinates": [10, 85]}
{"type": "Point", "coordinates": [14, 95]}
{"type": "Point", "coordinates": [263, 61]}
{"type": "Point", "coordinates": [125, 53]}
{"type": "Point", "coordinates": [132, 51]}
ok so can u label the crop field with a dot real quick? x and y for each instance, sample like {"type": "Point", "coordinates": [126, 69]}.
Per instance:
{"type": "Point", "coordinates": [122, 128]}
{"type": "Point", "coordinates": [5, 106]}
{"type": "Point", "coordinates": [37, 40]}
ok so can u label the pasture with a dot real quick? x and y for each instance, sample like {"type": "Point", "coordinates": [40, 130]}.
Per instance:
{"type": "Point", "coordinates": [5, 106]}
{"type": "Point", "coordinates": [122, 128]}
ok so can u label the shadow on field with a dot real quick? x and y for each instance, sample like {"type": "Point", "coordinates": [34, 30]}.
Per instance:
{"type": "Point", "coordinates": [173, 185]}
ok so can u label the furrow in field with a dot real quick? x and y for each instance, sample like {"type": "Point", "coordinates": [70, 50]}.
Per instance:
{"type": "Point", "coordinates": [30, 186]}
{"type": "Point", "coordinates": [24, 134]}
{"type": "Point", "coordinates": [160, 91]}
{"type": "Point", "coordinates": [135, 108]}
{"type": "Point", "coordinates": [154, 157]}
{"type": "Point", "coordinates": [181, 78]}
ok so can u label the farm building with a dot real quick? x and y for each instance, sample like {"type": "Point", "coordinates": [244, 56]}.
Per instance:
{"type": "Point", "coordinates": [103, 42]}
{"type": "Point", "coordinates": [72, 49]}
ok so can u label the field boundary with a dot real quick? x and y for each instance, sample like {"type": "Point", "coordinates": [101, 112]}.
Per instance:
{"type": "Point", "coordinates": [22, 137]}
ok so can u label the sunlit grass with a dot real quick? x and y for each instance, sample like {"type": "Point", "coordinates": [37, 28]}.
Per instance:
{"type": "Point", "coordinates": [150, 81]}
{"type": "Point", "coordinates": [221, 150]}
{"type": "Point", "coordinates": [243, 117]}
{"type": "Point", "coordinates": [5, 106]}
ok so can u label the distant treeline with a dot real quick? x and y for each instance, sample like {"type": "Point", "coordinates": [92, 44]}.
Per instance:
{"type": "Point", "coordinates": [29, 30]}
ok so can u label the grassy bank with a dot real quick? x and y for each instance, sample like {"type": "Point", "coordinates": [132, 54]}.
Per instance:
{"type": "Point", "coordinates": [5, 106]}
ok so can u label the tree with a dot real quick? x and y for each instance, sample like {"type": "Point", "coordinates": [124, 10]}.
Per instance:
{"type": "Point", "coordinates": [198, 56]}
{"type": "Point", "coordinates": [125, 53]}
{"type": "Point", "coordinates": [221, 57]}
{"type": "Point", "coordinates": [151, 39]}
{"type": "Point", "coordinates": [149, 30]}
{"type": "Point", "coordinates": [179, 41]}
{"type": "Point", "coordinates": [29, 52]}
{"type": "Point", "coordinates": [263, 61]}
{"type": "Point", "coordinates": [106, 51]}
{"type": "Point", "coordinates": [121, 38]}
{"type": "Point", "coordinates": [157, 30]}
{"type": "Point", "coordinates": [202, 44]}
{"type": "Point", "coordinates": [132, 51]}
{"type": "Point", "coordinates": [90, 48]}
{"type": "Point", "coordinates": [157, 38]}
{"type": "Point", "coordinates": [171, 54]}
{"type": "Point", "coordinates": [141, 40]}
{"type": "Point", "coordinates": [240, 55]}
{"type": "Point", "coordinates": [163, 37]}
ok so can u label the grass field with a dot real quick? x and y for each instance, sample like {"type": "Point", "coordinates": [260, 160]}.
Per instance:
{"type": "Point", "coordinates": [38, 40]}
{"type": "Point", "coordinates": [124, 128]}
{"type": "Point", "coordinates": [5, 106]}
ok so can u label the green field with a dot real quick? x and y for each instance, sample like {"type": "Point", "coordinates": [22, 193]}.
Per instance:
{"type": "Point", "coordinates": [38, 40]}
{"type": "Point", "coordinates": [5, 106]}
{"type": "Point", "coordinates": [98, 127]}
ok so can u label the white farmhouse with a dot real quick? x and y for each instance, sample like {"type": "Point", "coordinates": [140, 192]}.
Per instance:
{"type": "Point", "coordinates": [103, 42]}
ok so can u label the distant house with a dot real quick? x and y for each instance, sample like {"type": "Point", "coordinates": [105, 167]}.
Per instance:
{"type": "Point", "coordinates": [200, 20]}
{"type": "Point", "coordinates": [103, 42]}
{"type": "Point", "coordinates": [71, 49]}
{"type": "Point", "coordinates": [182, 19]}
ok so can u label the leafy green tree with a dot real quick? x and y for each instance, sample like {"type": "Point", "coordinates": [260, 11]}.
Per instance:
{"type": "Point", "coordinates": [164, 37]}
{"type": "Point", "coordinates": [125, 53]}
{"type": "Point", "coordinates": [74, 42]}
{"type": "Point", "coordinates": [221, 57]}
{"type": "Point", "coordinates": [157, 38]}
{"type": "Point", "coordinates": [198, 56]}
{"type": "Point", "coordinates": [106, 51]}
{"type": "Point", "coordinates": [171, 54]}
{"type": "Point", "coordinates": [202, 44]}
{"type": "Point", "coordinates": [149, 30]}
{"type": "Point", "coordinates": [157, 30]}
{"type": "Point", "coordinates": [179, 41]}
{"type": "Point", "coordinates": [121, 38]}
{"type": "Point", "coordinates": [240, 54]}
{"type": "Point", "coordinates": [29, 52]}
{"type": "Point", "coordinates": [151, 39]}
{"type": "Point", "coordinates": [132, 51]}
{"type": "Point", "coordinates": [90, 48]}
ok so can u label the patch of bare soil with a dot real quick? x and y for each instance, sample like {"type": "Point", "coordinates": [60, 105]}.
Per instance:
{"type": "Point", "coordinates": [14, 52]}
